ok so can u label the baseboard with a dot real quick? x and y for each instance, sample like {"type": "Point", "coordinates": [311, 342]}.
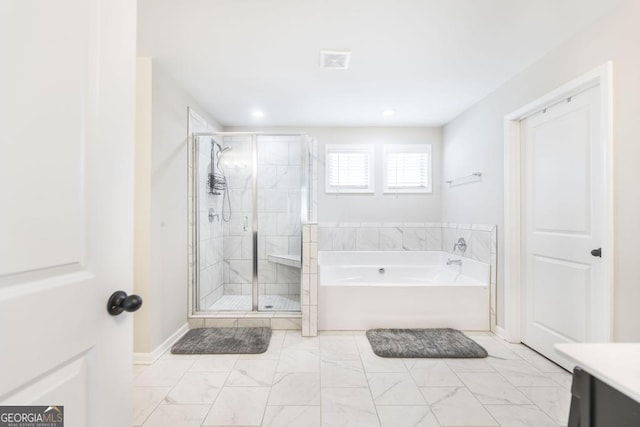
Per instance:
{"type": "Point", "coordinates": [150, 358]}
{"type": "Point", "coordinates": [500, 332]}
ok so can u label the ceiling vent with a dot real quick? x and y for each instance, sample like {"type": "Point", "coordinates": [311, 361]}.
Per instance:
{"type": "Point", "coordinates": [335, 59]}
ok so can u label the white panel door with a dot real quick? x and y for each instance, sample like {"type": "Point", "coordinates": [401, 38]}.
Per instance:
{"type": "Point", "coordinates": [67, 79]}
{"type": "Point", "coordinates": [563, 208]}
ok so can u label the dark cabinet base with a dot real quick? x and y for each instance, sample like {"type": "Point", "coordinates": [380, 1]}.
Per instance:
{"type": "Point", "coordinates": [596, 404]}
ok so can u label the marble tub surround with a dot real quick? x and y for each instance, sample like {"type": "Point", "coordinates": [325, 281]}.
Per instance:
{"type": "Point", "coordinates": [371, 236]}
{"type": "Point", "coordinates": [482, 245]}
{"type": "Point", "coordinates": [309, 285]}
{"type": "Point", "coordinates": [408, 236]}
{"type": "Point", "coordinates": [335, 379]}
{"type": "Point", "coordinates": [480, 238]}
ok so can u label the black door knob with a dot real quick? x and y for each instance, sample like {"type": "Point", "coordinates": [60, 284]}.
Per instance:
{"type": "Point", "coordinates": [597, 252]}
{"type": "Point", "coordinates": [119, 301]}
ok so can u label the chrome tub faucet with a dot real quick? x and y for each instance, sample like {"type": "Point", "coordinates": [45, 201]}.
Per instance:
{"type": "Point", "coordinates": [461, 244]}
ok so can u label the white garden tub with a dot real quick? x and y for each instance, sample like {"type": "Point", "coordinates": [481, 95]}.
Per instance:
{"type": "Point", "coordinates": [401, 289]}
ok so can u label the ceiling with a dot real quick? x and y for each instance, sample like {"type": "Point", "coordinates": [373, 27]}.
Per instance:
{"type": "Point", "coordinates": [427, 59]}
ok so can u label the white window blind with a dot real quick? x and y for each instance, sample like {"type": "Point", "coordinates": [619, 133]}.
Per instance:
{"type": "Point", "coordinates": [407, 168]}
{"type": "Point", "coordinates": [348, 169]}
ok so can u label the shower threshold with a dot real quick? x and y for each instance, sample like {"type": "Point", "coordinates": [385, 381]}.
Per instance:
{"type": "Point", "coordinates": [269, 303]}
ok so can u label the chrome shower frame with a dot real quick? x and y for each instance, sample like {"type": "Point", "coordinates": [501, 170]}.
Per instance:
{"type": "Point", "coordinates": [305, 194]}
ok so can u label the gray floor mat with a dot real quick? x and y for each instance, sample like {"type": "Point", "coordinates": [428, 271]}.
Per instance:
{"type": "Point", "coordinates": [431, 343]}
{"type": "Point", "coordinates": [223, 341]}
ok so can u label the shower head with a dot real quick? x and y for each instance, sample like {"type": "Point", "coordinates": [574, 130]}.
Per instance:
{"type": "Point", "coordinates": [222, 149]}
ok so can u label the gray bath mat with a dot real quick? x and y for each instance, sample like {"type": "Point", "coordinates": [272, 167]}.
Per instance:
{"type": "Point", "coordinates": [434, 343]}
{"type": "Point", "coordinates": [223, 341]}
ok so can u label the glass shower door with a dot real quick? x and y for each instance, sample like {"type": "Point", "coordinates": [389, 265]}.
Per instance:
{"type": "Point", "coordinates": [280, 168]}
{"type": "Point", "coordinates": [251, 197]}
{"type": "Point", "coordinates": [236, 165]}
{"type": "Point", "coordinates": [225, 207]}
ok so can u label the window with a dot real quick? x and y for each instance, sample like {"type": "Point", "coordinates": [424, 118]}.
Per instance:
{"type": "Point", "coordinates": [407, 168]}
{"type": "Point", "coordinates": [349, 168]}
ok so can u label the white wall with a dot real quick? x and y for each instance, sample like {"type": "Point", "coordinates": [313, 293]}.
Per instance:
{"type": "Point", "coordinates": [474, 142]}
{"type": "Point", "coordinates": [163, 275]}
{"type": "Point", "coordinates": [376, 207]}
{"type": "Point", "coordinates": [142, 207]}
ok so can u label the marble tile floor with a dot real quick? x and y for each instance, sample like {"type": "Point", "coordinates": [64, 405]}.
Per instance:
{"type": "Point", "coordinates": [265, 303]}
{"type": "Point", "coordinates": [336, 380]}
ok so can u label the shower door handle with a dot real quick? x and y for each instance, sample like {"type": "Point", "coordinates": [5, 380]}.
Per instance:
{"type": "Point", "coordinates": [245, 225]}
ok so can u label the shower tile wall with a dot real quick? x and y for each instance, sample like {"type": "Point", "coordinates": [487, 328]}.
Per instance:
{"type": "Point", "coordinates": [310, 281]}
{"type": "Point", "coordinates": [211, 237]}
{"type": "Point", "coordinates": [279, 213]}
{"type": "Point", "coordinates": [314, 164]}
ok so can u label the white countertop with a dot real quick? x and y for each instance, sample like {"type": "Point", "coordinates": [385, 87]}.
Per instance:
{"type": "Point", "coordinates": [616, 364]}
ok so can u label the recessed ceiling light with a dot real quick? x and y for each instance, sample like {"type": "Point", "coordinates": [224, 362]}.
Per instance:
{"type": "Point", "coordinates": [389, 112]}
{"type": "Point", "coordinates": [257, 114]}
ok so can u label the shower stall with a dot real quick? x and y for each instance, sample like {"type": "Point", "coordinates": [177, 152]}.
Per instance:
{"type": "Point", "coordinates": [249, 198]}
